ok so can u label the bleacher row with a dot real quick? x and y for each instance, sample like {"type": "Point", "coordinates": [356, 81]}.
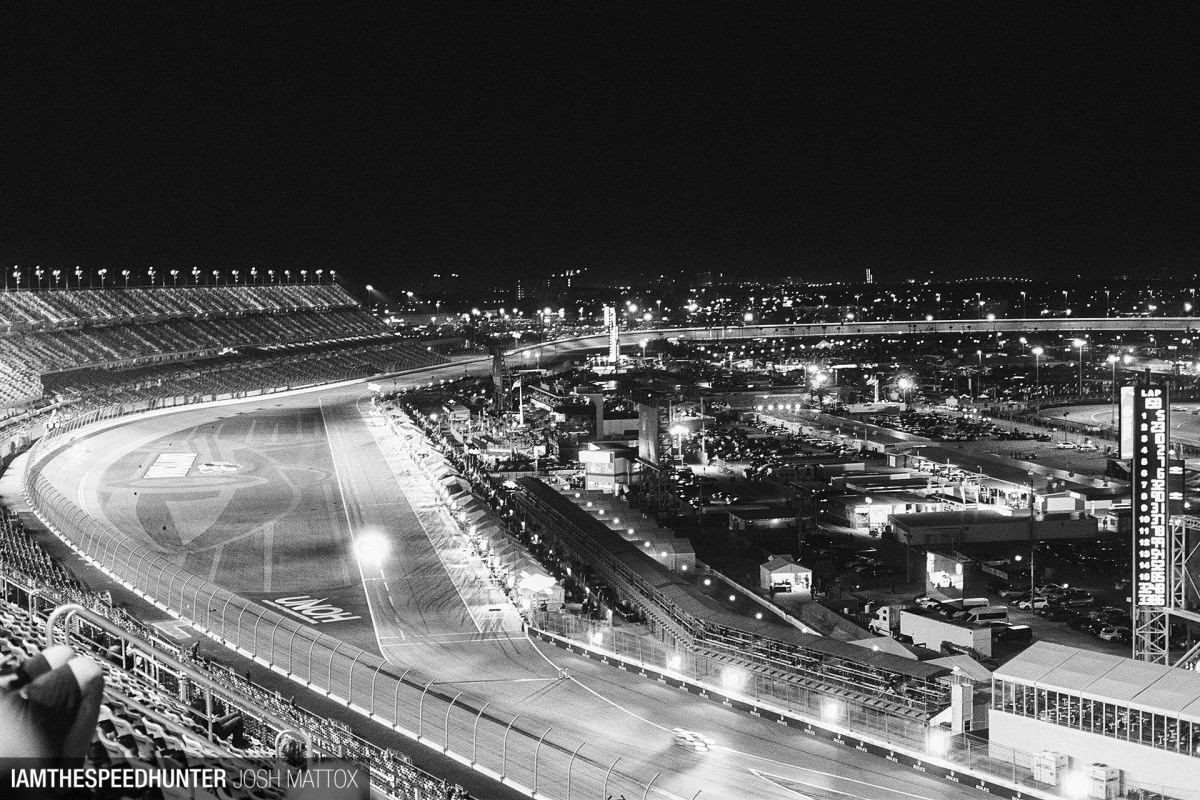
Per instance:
{"type": "Point", "coordinates": [60, 350]}
{"type": "Point", "coordinates": [19, 552]}
{"type": "Point", "coordinates": [70, 307]}
{"type": "Point", "coordinates": [138, 725]}
{"type": "Point", "coordinates": [244, 372]}
{"type": "Point", "coordinates": [19, 384]}
{"type": "Point", "coordinates": [154, 717]}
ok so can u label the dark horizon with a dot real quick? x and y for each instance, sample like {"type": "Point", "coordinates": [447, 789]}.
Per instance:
{"type": "Point", "coordinates": [947, 143]}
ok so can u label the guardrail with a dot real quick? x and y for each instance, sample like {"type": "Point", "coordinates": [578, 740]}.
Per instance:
{"type": "Point", "coordinates": [527, 757]}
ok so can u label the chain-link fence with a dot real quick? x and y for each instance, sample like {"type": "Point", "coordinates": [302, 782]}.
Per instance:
{"type": "Point", "coordinates": [968, 753]}
{"type": "Point", "coordinates": [518, 748]}
{"type": "Point", "coordinates": [812, 701]}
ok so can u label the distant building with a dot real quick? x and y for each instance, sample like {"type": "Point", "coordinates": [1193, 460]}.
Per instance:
{"type": "Point", "coordinates": [606, 467]}
{"type": "Point", "coordinates": [1098, 719]}
{"type": "Point", "coordinates": [784, 575]}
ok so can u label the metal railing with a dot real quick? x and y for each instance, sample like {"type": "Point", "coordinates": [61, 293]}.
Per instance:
{"type": "Point", "coordinates": [513, 748]}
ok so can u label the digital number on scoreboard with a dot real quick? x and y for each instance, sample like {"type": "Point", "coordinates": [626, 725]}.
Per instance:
{"type": "Point", "coordinates": [1151, 455]}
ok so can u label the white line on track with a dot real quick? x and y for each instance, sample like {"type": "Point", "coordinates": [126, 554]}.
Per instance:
{"type": "Point", "coordinates": [349, 526]}
{"type": "Point", "coordinates": [733, 751]}
{"type": "Point", "coordinates": [434, 545]}
{"type": "Point", "coordinates": [766, 776]}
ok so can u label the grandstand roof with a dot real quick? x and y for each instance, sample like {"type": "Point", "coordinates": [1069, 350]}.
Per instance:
{"type": "Point", "coordinates": [1101, 676]}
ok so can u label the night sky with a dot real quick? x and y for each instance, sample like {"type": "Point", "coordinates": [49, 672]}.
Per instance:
{"type": "Point", "coordinates": [393, 141]}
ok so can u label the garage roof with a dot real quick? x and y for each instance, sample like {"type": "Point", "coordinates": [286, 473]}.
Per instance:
{"type": "Point", "coordinates": [1101, 676]}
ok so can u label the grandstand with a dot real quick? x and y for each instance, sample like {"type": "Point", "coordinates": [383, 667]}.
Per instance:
{"type": "Point", "coordinates": [164, 707]}
{"type": "Point", "coordinates": [114, 345]}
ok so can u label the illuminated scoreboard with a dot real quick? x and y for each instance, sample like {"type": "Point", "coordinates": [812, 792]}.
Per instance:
{"type": "Point", "coordinates": [1146, 430]}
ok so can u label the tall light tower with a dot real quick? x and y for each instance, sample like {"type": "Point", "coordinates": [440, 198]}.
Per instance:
{"type": "Point", "coordinates": [1112, 360]}
{"type": "Point", "coordinates": [1080, 344]}
{"type": "Point", "coordinates": [614, 335]}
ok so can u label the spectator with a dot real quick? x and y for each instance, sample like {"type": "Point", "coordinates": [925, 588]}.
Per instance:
{"type": "Point", "coordinates": [49, 706]}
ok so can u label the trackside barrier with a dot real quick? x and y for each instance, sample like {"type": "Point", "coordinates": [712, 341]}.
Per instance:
{"type": "Point", "coordinates": [962, 765]}
{"type": "Point", "coordinates": [405, 700]}
{"type": "Point", "coordinates": [216, 690]}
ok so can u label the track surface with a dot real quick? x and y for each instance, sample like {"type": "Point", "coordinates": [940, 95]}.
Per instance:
{"type": "Point", "coordinates": [309, 478]}
{"type": "Point", "coordinates": [1185, 419]}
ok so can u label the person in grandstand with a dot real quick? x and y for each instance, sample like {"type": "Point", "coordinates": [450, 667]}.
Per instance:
{"type": "Point", "coordinates": [49, 706]}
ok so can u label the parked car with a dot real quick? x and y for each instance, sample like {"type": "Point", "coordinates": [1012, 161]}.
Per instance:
{"type": "Point", "coordinates": [1033, 603]}
{"type": "Point", "coordinates": [1117, 635]}
{"type": "Point", "coordinates": [1109, 614]}
{"type": "Point", "coordinates": [1086, 625]}
{"type": "Point", "coordinates": [1056, 613]}
{"type": "Point", "coordinates": [1013, 591]}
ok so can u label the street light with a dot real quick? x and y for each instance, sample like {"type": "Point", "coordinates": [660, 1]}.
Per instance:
{"type": "Point", "coordinates": [979, 379]}
{"type": "Point", "coordinates": [1037, 362]}
{"type": "Point", "coordinates": [1112, 360]}
{"type": "Point", "coordinates": [905, 384]}
{"type": "Point", "coordinates": [1080, 343]}
{"type": "Point", "coordinates": [1032, 578]}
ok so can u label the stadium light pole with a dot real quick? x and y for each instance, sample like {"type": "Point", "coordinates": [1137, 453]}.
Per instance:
{"type": "Point", "coordinates": [979, 380]}
{"type": "Point", "coordinates": [1080, 344]}
{"type": "Point", "coordinates": [1112, 360]}
{"type": "Point", "coordinates": [1032, 577]}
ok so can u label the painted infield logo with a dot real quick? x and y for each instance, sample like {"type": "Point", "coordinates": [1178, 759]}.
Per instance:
{"type": "Point", "coordinates": [310, 609]}
{"type": "Point", "coordinates": [171, 465]}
